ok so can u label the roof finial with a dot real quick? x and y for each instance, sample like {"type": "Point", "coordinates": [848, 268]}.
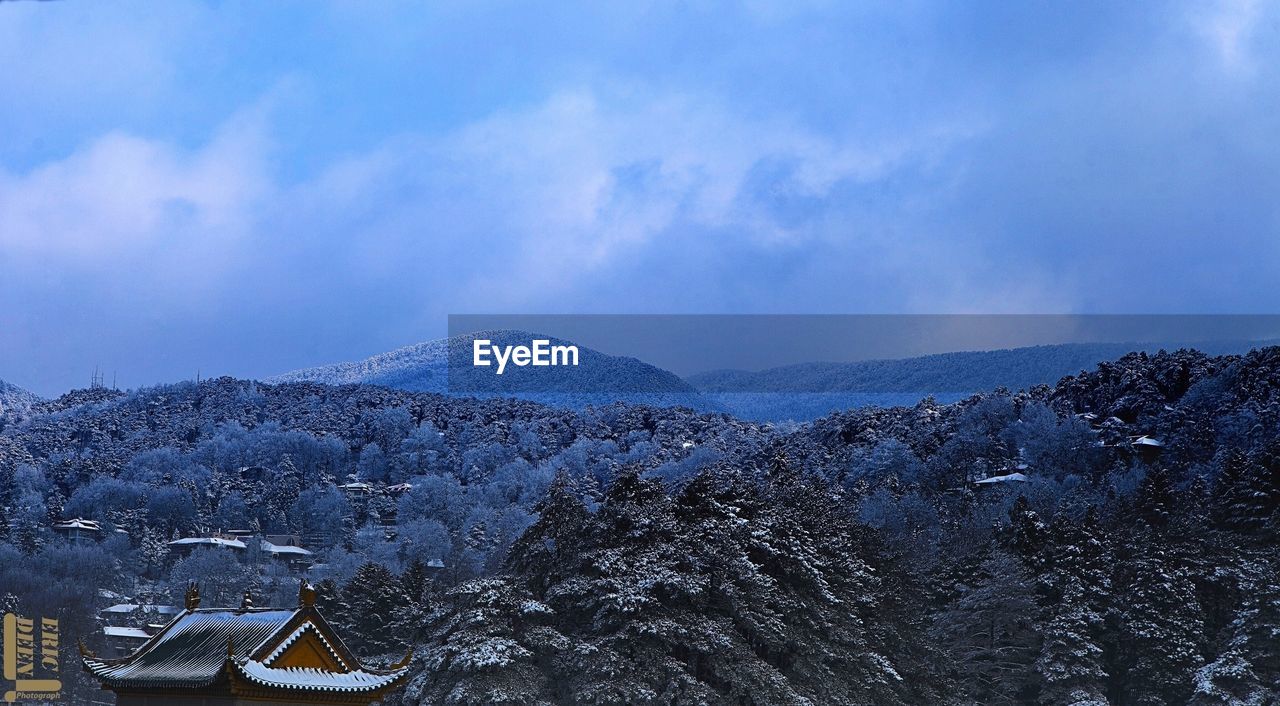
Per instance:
{"type": "Point", "coordinates": [306, 594]}
{"type": "Point", "coordinates": [192, 600]}
{"type": "Point", "coordinates": [247, 602]}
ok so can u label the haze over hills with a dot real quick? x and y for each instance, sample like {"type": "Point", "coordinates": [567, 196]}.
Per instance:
{"type": "Point", "coordinates": [959, 372]}
{"type": "Point", "coordinates": [795, 392]}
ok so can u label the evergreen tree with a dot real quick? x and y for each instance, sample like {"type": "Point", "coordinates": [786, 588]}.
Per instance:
{"type": "Point", "coordinates": [1247, 671]}
{"type": "Point", "coordinates": [492, 647]}
{"type": "Point", "coordinates": [374, 611]}
{"type": "Point", "coordinates": [1247, 495]}
{"type": "Point", "coordinates": [1070, 663]}
{"type": "Point", "coordinates": [1156, 499]}
{"type": "Point", "coordinates": [1162, 629]}
{"type": "Point", "coordinates": [990, 632]}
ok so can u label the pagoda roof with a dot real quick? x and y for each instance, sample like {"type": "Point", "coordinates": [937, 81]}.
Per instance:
{"type": "Point", "coordinates": [204, 647]}
{"type": "Point", "coordinates": [310, 678]}
{"type": "Point", "coordinates": [192, 650]}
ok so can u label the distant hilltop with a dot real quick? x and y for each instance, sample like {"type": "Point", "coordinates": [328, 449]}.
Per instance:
{"type": "Point", "coordinates": [960, 372]}
{"type": "Point", "coordinates": [424, 367]}
{"type": "Point", "coordinates": [794, 392]}
{"type": "Point", "coordinates": [15, 399]}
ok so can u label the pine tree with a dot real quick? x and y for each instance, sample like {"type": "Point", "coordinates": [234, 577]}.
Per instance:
{"type": "Point", "coordinates": [1155, 501]}
{"type": "Point", "coordinates": [990, 632]}
{"type": "Point", "coordinates": [1075, 595]}
{"type": "Point", "coordinates": [1162, 629]}
{"type": "Point", "coordinates": [493, 646]}
{"type": "Point", "coordinates": [1247, 671]}
{"type": "Point", "coordinates": [1070, 663]}
{"type": "Point", "coordinates": [1246, 497]}
{"type": "Point", "coordinates": [374, 610]}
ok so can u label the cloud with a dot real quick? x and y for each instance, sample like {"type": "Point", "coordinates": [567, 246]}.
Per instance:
{"type": "Point", "coordinates": [1229, 28]}
{"type": "Point", "coordinates": [123, 197]}
{"type": "Point", "coordinates": [657, 157]}
{"type": "Point", "coordinates": [587, 182]}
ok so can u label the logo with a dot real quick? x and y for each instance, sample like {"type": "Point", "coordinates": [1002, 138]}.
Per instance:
{"type": "Point", "coordinates": [541, 353]}
{"type": "Point", "coordinates": [31, 658]}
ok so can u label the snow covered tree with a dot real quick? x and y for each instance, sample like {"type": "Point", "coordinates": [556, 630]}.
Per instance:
{"type": "Point", "coordinates": [373, 610]}
{"type": "Point", "coordinates": [989, 632]}
{"type": "Point", "coordinates": [1075, 592]}
{"type": "Point", "coordinates": [1247, 672]}
{"type": "Point", "coordinates": [1070, 663]}
{"type": "Point", "coordinates": [1247, 493]}
{"type": "Point", "coordinates": [1162, 630]}
{"type": "Point", "coordinates": [493, 647]}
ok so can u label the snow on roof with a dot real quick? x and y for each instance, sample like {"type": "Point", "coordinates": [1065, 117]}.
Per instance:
{"type": "Point", "coordinates": [192, 651]}
{"type": "Point", "coordinates": [197, 648]}
{"type": "Point", "coordinates": [1011, 477]}
{"type": "Point", "coordinates": [78, 524]}
{"type": "Point", "coordinates": [1145, 440]}
{"type": "Point", "coordinates": [435, 564]}
{"type": "Point", "coordinates": [357, 485]}
{"type": "Point", "coordinates": [283, 549]}
{"type": "Point", "coordinates": [208, 541]}
{"type": "Point", "coordinates": [314, 679]}
{"type": "Point", "coordinates": [125, 608]}
{"type": "Point", "coordinates": [400, 488]}
{"type": "Point", "coordinates": [135, 633]}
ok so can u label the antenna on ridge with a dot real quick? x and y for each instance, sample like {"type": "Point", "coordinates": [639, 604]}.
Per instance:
{"type": "Point", "coordinates": [95, 383]}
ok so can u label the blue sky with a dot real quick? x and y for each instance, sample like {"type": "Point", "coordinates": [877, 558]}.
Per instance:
{"type": "Point", "coordinates": [245, 187]}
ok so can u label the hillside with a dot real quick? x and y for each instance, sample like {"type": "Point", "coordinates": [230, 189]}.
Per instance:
{"type": "Point", "coordinates": [425, 367]}
{"type": "Point", "coordinates": [960, 372]}
{"type": "Point", "coordinates": [14, 399]}
{"type": "Point", "coordinates": [780, 554]}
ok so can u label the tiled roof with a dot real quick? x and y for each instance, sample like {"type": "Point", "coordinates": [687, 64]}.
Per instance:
{"type": "Point", "coordinates": [310, 678]}
{"type": "Point", "coordinates": [192, 651]}
{"type": "Point", "coordinates": [208, 541]}
{"type": "Point", "coordinates": [204, 645]}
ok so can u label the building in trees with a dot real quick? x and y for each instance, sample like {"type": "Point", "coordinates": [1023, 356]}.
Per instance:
{"type": "Point", "coordinates": [225, 657]}
{"type": "Point", "coordinates": [79, 530]}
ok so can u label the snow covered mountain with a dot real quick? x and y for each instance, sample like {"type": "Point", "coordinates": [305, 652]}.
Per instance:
{"type": "Point", "coordinates": [424, 367]}
{"type": "Point", "coordinates": [15, 399]}
{"type": "Point", "coordinates": [959, 372]}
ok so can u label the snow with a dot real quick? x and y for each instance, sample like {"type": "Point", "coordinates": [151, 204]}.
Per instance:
{"type": "Point", "coordinates": [208, 541]}
{"type": "Point", "coordinates": [79, 524]}
{"type": "Point", "coordinates": [314, 679]}
{"type": "Point", "coordinates": [277, 549]}
{"type": "Point", "coordinates": [135, 633]}
{"type": "Point", "coordinates": [1011, 477]}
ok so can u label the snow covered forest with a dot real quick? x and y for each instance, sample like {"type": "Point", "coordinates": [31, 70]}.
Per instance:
{"type": "Point", "coordinates": [1122, 551]}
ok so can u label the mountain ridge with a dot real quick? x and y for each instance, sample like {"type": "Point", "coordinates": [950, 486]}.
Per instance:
{"type": "Point", "coordinates": [16, 399]}
{"type": "Point", "coordinates": [952, 372]}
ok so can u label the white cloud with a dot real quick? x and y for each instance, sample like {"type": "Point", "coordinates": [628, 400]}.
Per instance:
{"type": "Point", "coordinates": [124, 195]}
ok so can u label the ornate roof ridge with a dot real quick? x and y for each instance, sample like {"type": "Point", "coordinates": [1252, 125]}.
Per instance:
{"type": "Point", "coordinates": [307, 625]}
{"type": "Point", "coordinates": [316, 679]}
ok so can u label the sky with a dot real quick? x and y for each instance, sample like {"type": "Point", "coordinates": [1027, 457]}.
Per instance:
{"type": "Point", "coordinates": [246, 188]}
